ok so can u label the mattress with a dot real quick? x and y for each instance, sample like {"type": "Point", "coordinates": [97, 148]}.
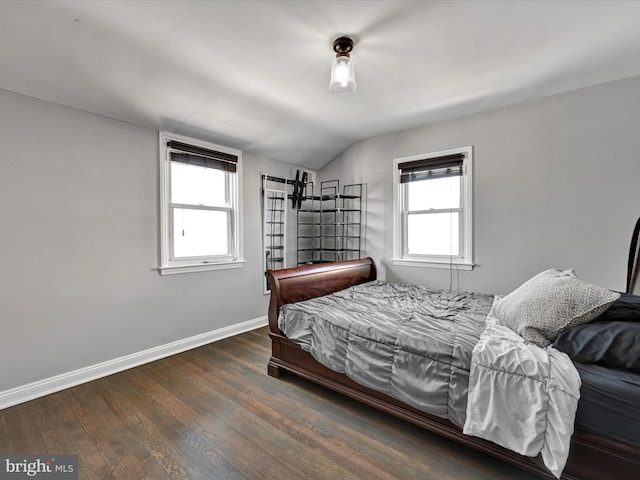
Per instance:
{"type": "Point", "coordinates": [609, 403]}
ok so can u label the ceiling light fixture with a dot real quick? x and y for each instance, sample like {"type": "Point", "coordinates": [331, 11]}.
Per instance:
{"type": "Point", "coordinates": [343, 79]}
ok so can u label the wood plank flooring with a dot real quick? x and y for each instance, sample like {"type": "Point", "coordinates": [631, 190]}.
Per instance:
{"type": "Point", "coordinates": [213, 413]}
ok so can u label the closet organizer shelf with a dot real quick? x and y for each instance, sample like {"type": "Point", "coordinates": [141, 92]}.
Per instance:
{"type": "Point", "coordinates": [308, 227]}
{"type": "Point", "coordinates": [329, 224]}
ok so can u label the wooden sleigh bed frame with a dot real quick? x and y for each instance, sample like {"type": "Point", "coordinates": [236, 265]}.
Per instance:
{"type": "Point", "coordinates": [592, 457]}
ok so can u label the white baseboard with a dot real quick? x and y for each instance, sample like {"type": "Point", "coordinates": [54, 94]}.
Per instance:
{"type": "Point", "coordinates": [50, 385]}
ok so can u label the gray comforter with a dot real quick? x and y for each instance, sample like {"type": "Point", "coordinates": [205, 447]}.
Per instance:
{"type": "Point", "coordinates": [410, 342]}
{"type": "Point", "coordinates": [444, 353]}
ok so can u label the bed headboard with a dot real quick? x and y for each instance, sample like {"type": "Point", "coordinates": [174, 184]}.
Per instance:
{"type": "Point", "coordinates": [292, 285]}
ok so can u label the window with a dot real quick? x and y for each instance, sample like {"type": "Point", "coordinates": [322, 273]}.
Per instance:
{"type": "Point", "coordinates": [200, 213]}
{"type": "Point", "coordinates": [433, 209]}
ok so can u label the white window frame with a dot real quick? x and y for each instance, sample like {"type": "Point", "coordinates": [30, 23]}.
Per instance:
{"type": "Point", "coordinates": [170, 265]}
{"type": "Point", "coordinates": [464, 261]}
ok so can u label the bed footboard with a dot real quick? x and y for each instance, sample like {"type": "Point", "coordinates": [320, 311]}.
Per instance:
{"type": "Point", "coordinates": [293, 285]}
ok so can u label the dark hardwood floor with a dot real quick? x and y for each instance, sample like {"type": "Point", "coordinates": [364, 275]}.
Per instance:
{"type": "Point", "coordinates": [213, 413]}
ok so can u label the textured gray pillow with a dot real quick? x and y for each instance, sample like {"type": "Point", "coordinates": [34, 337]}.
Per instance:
{"type": "Point", "coordinates": [550, 303]}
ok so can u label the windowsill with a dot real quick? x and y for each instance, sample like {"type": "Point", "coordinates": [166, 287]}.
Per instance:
{"type": "Point", "coordinates": [200, 267]}
{"type": "Point", "coordinates": [455, 265]}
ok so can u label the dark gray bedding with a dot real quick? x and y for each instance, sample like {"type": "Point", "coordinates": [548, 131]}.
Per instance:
{"type": "Point", "coordinates": [410, 342]}
{"type": "Point", "coordinates": [614, 344]}
{"type": "Point", "coordinates": [609, 403]}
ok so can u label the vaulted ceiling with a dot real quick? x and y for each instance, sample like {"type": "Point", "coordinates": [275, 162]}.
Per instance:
{"type": "Point", "coordinates": [254, 74]}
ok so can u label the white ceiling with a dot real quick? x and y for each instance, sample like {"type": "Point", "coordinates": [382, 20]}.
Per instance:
{"type": "Point", "coordinates": [254, 74]}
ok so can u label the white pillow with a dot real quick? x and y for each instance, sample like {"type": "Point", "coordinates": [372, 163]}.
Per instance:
{"type": "Point", "coordinates": [550, 303]}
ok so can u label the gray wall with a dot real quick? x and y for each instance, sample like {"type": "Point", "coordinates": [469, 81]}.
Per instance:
{"type": "Point", "coordinates": [79, 246]}
{"type": "Point", "coordinates": [557, 184]}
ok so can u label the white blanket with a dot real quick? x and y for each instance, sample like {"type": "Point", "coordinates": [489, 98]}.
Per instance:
{"type": "Point", "coordinates": [521, 396]}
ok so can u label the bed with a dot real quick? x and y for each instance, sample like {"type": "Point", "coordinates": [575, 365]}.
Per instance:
{"type": "Point", "coordinates": [592, 455]}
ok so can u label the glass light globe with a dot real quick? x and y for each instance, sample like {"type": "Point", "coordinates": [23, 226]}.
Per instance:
{"type": "Point", "coordinates": [343, 79]}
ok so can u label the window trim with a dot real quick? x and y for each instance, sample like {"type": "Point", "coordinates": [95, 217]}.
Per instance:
{"type": "Point", "coordinates": [168, 265]}
{"type": "Point", "coordinates": [465, 260]}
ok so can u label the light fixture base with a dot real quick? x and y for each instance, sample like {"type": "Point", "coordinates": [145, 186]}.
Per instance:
{"type": "Point", "coordinates": [342, 46]}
